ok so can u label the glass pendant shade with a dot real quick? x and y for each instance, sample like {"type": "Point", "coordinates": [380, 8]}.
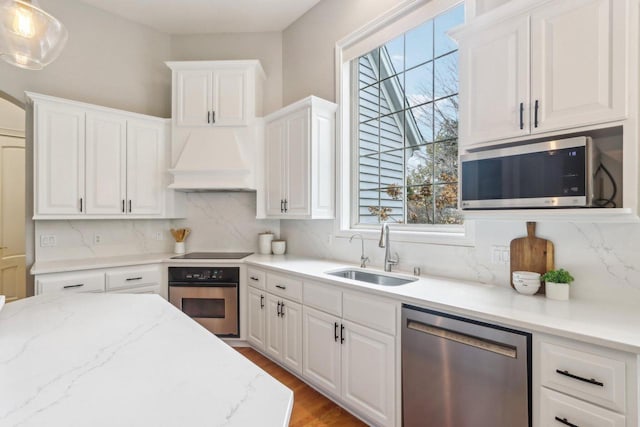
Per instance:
{"type": "Point", "coordinates": [29, 37]}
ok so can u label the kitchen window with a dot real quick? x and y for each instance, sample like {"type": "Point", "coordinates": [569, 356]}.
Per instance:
{"type": "Point", "coordinates": [400, 134]}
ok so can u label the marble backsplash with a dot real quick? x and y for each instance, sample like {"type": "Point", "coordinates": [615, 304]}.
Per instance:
{"type": "Point", "coordinates": [218, 221]}
{"type": "Point", "coordinates": [603, 258]}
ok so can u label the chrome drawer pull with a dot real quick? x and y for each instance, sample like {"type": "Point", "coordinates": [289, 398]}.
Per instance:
{"type": "Point", "coordinates": [133, 278]}
{"type": "Point", "coordinates": [79, 285]}
{"type": "Point", "coordinates": [565, 422]}
{"type": "Point", "coordinates": [281, 287]}
{"type": "Point", "coordinates": [476, 342]}
{"type": "Point", "coordinates": [576, 377]}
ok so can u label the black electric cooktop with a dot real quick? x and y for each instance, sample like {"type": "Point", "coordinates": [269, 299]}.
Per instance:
{"type": "Point", "coordinates": [213, 255]}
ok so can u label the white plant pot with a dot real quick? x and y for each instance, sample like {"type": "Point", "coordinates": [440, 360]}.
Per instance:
{"type": "Point", "coordinates": [558, 291]}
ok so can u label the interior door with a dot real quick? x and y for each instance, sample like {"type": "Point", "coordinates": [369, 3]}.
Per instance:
{"type": "Point", "coordinates": [106, 161]}
{"type": "Point", "coordinates": [146, 167]}
{"type": "Point", "coordinates": [12, 218]}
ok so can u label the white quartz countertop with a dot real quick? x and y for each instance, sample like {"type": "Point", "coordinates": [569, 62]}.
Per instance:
{"type": "Point", "coordinates": [614, 326]}
{"type": "Point", "coordinates": [125, 360]}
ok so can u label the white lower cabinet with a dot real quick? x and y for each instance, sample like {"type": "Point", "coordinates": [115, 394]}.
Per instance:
{"type": "Point", "coordinates": [256, 317]}
{"type": "Point", "coordinates": [353, 362]}
{"type": "Point", "coordinates": [139, 279]}
{"type": "Point", "coordinates": [284, 332]}
{"type": "Point", "coordinates": [584, 385]}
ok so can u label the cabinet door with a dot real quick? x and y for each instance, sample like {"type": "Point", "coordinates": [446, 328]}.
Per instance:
{"type": "Point", "coordinates": [297, 162]}
{"type": "Point", "coordinates": [274, 167]}
{"type": "Point", "coordinates": [193, 98]}
{"type": "Point", "coordinates": [494, 82]}
{"type": "Point", "coordinates": [229, 92]}
{"type": "Point", "coordinates": [368, 373]}
{"type": "Point", "coordinates": [292, 335]}
{"type": "Point", "coordinates": [578, 63]}
{"type": "Point", "coordinates": [256, 318]}
{"type": "Point", "coordinates": [321, 349]}
{"type": "Point", "coordinates": [59, 137]}
{"type": "Point", "coordinates": [106, 161]}
{"type": "Point", "coordinates": [274, 328]}
{"type": "Point", "coordinates": [146, 167]}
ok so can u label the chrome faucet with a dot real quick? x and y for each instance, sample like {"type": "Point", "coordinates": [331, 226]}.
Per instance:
{"type": "Point", "coordinates": [363, 259]}
{"type": "Point", "coordinates": [384, 243]}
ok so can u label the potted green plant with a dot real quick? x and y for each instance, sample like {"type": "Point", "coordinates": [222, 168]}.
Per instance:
{"type": "Point", "coordinates": [557, 284]}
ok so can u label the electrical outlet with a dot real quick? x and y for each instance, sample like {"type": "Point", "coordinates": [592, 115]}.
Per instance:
{"type": "Point", "coordinates": [47, 240]}
{"type": "Point", "coordinates": [159, 235]}
{"type": "Point", "coordinates": [97, 239]}
{"type": "Point", "coordinates": [329, 238]}
{"type": "Point", "coordinates": [500, 255]}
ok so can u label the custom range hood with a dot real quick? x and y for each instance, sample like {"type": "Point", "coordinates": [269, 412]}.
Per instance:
{"type": "Point", "coordinates": [222, 159]}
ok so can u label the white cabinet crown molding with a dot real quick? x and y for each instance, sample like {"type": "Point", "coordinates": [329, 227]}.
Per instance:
{"type": "Point", "coordinates": [230, 64]}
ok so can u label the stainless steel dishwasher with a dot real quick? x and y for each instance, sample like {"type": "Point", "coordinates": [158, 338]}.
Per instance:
{"type": "Point", "coordinates": [462, 373]}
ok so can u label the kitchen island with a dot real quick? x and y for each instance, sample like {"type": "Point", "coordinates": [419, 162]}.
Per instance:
{"type": "Point", "coordinates": [125, 360]}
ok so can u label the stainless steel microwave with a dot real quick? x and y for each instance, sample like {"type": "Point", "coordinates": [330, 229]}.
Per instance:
{"type": "Point", "coordinates": [547, 174]}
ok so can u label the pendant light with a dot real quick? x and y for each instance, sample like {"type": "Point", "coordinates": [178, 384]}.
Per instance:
{"type": "Point", "coordinates": [29, 37]}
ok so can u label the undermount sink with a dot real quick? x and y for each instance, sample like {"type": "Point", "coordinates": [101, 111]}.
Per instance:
{"type": "Point", "coordinates": [370, 277]}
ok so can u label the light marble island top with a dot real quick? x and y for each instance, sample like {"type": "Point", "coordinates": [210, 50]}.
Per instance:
{"type": "Point", "coordinates": [125, 360]}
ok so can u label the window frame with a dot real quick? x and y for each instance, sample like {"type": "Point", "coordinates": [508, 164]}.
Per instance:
{"type": "Point", "coordinates": [395, 22]}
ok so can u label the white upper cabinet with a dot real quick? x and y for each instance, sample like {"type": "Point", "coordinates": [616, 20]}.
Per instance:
{"type": "Point", "coordinates": [494, 83]}
{"type": "Point", "coordinates": [216, 93]}
{"type": "Point", "coordinates": [578, 63]}
{"type": "Point", "coordinates": [146, 167]}
{"type": "Point", "coordinates": [106, 157]}
{"type": "Point", "coordinates": [96, 162]}
{"type": "Point", "coordinates": [299, 160]}
{"type": "Point", "coordinates": [559, 66]}
{"type": "Point", "coordinates": [59, 133]}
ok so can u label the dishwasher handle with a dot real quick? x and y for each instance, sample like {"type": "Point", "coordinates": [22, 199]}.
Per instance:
{"type": "Point", "coordinates": [477, 342]}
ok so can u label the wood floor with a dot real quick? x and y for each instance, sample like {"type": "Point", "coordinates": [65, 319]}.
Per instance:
{"type": "Point", "coordinates": [310, 408]}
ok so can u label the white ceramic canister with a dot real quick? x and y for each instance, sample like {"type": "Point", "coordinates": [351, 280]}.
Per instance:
{"type": "Point", "coordinates": [179, 248]}
{"type": "Point", "coordinates": [264, 242]}
{"type": "Point", "coordinates": [279, 247]}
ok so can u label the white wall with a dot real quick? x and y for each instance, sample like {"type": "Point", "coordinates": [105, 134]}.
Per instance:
{"type": "Point", "coordinates": [604, 258]}
{"type": "Point", "coordinates": [267, 47]}
{"type": "Point", "coordinates": [12, 117]}
{"type": "Point", "coordinates": [107, 61]}
{"type": "Point", "coordinates": [308, 44]}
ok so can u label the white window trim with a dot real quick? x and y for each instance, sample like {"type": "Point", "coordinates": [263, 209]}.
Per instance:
{"type": "Point", "coordinates": [391, 24]}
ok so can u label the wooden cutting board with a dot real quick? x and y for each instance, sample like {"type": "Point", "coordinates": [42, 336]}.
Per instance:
{"type": "Point", "coordinates": [531, 253]}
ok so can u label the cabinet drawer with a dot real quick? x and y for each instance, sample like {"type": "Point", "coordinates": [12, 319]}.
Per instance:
{"type": "Point", "coordinates": [71, 282]}
{"type": "Point", "coordinates": [149, 289]}
{"type": "Point", "coordinates": [557, 409]}
{"type": "Point", "coordinates": [323, 297]}
{"type": "Point", "coordinates": [285, 286]}
{"type": "Point", "coordinates": [133, 277]}
{"type": "Point", "coordinates": [256, 278]}
{"type": "Point", "coordinates": [597, 378]}
{"type": "Point", "coordinates": [373, 312]}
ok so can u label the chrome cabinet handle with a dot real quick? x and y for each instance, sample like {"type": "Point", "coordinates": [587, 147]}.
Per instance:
{"type": "Point", "coordinates": [79, 285]}
{"type": "Point", "coordinates": [129, 279]}
{"type": "Point", "coordinates": [281, 287]}
{"type": "Point", "coordinates": [565, 422]}
{"type": "Point", "coordinates": [261, 302]}
{"type": "Point", "coordinates": [335, 331]}
{"type": "Point", "coordinates": [579, 378]}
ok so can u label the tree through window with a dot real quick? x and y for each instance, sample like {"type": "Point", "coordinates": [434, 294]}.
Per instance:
{"type": "Point", "coordinates": [408, 127]}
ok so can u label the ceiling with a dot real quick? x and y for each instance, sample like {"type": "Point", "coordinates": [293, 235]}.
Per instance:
{"type": "Point", "coordinates": [208, 16]}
